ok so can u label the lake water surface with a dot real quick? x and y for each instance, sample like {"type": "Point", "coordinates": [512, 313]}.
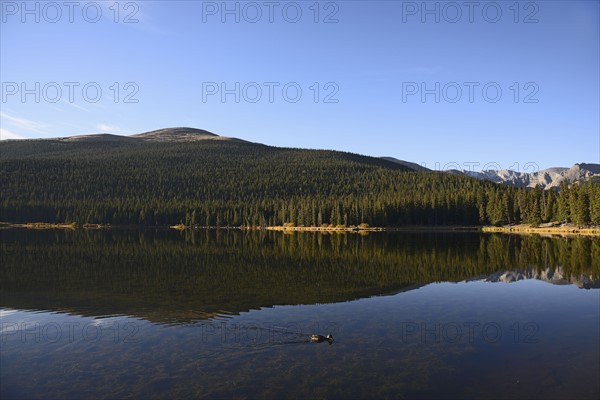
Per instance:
{"type": "Point", "coordinates": [214, 314]}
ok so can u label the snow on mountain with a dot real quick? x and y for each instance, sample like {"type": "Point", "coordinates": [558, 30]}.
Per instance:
{"type": "Point", "coordinates": [546, 178]}
{"type": "Point", "coordinates": [554, 276]}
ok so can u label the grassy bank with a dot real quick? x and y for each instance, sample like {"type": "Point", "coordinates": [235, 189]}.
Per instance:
{"type": "Point", "coordinates": [39, 225]}
{"type": "Point", "coordinates": [371, 228]}
{"type": "Point", "coordinates": [545, 229]}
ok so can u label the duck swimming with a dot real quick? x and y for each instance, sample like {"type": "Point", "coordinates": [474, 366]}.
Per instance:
{"type": "Point", "coordinates": [320, 338]}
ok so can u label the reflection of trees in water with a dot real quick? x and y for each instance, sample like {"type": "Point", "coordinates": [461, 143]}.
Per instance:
{"type": "Point", "coordinates": [576, 256]}
{"type": "Point", "coordinates": [175, 276]}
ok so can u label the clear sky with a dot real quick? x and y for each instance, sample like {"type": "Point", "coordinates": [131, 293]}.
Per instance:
{"type": "Point", "coordinates": [430, 82]}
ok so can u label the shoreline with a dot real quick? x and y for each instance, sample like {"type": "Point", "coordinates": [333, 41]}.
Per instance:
{"type": "Point", "coordinates": [544, 230]}
{"type": "Point", "coordinates": [523, 229]}
{"type": "Point", "coordinates": [38, 225]}
{"type": "Point", "coordinates": [357, 229]}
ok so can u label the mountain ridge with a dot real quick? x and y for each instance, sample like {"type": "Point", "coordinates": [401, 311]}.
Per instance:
{"type": "Point", "coordinates": [548, 178]}
{"type": "Point", "coordinates": [175, 176]}
{"type": "Point", "coordinates": [181, 134]}
{"type": "Point", "coordinates": [176, 134]}
{"type": "Point", "coordinates": [554, 276]}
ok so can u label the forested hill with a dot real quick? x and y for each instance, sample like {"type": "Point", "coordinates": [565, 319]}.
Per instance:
{"type": "Point", "coordinates": [195, 177]}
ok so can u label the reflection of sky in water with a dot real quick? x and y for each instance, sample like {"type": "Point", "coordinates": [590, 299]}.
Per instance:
{"type": "Point", "coordinates": [541, 341]}
{"type": "Point", "coordinates": [191, 319]}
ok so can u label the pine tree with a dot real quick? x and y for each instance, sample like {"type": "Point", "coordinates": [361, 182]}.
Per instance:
{"type": "Point", "coordinates": [594, 196]}
{"type": "Point", "coordinates": [582, 216]}
{"type": "Point", "coordinates": [563, 209]}
{"type": "Point", "coordinates": [507, 207]}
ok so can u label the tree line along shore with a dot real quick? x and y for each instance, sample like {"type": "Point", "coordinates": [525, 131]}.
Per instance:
{"type": "Point", "coordinates": [544, 229]}
{"type": "Point", "coordinates": [221, 184]}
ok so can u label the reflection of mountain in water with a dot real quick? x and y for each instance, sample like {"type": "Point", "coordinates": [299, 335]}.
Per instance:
{"type": "Point", "coordinates": [554, 276]}
{"type": "Point", "coordinates": [173, 277]}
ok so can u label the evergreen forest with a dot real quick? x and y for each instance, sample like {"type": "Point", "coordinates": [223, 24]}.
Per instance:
{"type": "Point", "coordinates": [231, 183]}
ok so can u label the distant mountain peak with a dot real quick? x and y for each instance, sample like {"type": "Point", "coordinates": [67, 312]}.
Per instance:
{"type": "Point", "coordinates": [546, 178]}
{"type": "Point", "coordinates": [180, 134]}
{"type": "Point", "coordinates": [554, 276]}
{"type": "Point", "coordinates": [411, 165]}
{"type": "Point", "coordinates": [99, 137]}
{"type": "Point", "coordinates": [593, 168]}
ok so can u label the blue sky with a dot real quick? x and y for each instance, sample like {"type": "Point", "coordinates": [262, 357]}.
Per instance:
{"type": "Point", "coordinates": [433, 83]}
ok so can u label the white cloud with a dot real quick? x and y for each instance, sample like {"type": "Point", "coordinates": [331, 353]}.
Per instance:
{"type": "Point", "coordinates": [106, 128]}
{"type": "Point", "coordinates": [6, 134]}
{"type": "Point", "coordinates": [75, 105]}
{"type": "Point", "coordinates": [5, 313]}
{"type": "Point", "coordinates": [22, 123]}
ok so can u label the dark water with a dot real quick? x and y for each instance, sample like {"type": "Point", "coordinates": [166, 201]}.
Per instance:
{"type": "Point", "coordinates": [219, 314]}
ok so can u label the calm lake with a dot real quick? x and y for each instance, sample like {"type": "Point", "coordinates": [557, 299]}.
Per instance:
{"type": "Point", "coordinates": [229, 314]}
